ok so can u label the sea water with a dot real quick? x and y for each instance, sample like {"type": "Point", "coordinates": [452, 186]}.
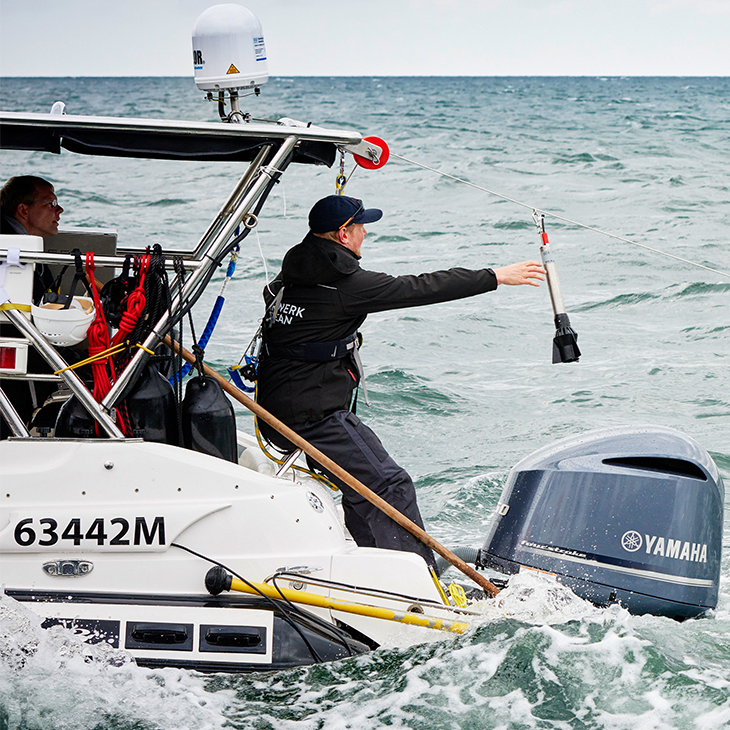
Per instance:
{"type": "Point", "coordinates": [460, 391]}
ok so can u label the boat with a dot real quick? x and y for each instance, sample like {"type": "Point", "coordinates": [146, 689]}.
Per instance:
{"type": "Point", "coordinates": [205, 552]}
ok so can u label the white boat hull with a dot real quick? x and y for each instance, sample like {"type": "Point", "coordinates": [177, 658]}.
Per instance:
{"type": "Point", "coordinates": [94, 534]}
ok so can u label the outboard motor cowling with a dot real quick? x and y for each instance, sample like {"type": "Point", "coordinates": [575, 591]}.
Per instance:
{"type": "Point", "coordinates": [623, 515]}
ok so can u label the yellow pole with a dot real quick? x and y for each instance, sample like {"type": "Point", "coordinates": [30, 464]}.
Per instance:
{"type": "Point", "coordinates": [361, 609]}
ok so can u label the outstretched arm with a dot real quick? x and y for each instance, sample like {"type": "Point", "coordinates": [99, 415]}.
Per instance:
{"type": "Point", "coordinates": [525, 272]}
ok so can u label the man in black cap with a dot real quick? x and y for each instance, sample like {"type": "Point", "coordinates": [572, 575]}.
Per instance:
{"type": "Point", "coordinates": [309, 367]}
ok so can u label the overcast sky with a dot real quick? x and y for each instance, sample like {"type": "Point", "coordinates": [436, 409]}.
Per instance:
{"type": "Point", "coordinates": [378, 37]}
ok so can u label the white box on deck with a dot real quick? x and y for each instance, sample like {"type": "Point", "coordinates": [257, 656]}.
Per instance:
{"type": "Point", "coordinates": [19, 279]}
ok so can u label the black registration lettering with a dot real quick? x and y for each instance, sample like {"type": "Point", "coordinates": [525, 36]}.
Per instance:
{"type": "Point", "coordinates": [50, 531]}
{"type": "Point", "coordinates": [73, 531]}
{"type": "Point", "coordinates": [140, 529]}
{"type": "Point", "coordinates": [96, 531]}
{"type": "Point", "coordinates": [123, 530]}
{"type": "Point", "coordinates": [26, 534]}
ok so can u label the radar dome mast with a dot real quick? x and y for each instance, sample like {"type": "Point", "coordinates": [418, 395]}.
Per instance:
{"type": "Point", "coordinates": [229, 56]}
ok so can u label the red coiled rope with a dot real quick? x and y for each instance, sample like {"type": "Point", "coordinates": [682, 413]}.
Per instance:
{"type": "Point", "coordinates": [98, 335]}
{"type": "Point", "coordinates": [134, 304]}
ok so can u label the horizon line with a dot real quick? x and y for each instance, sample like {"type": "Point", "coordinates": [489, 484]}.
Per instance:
{"type": "Point", "coordinates": [383, 76]}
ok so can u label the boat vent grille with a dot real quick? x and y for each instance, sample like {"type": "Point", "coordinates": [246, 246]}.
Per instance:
{"type": "Point", "coordinates": [665, 465]}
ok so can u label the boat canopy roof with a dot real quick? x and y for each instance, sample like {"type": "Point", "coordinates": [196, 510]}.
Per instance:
{"type": "Point", "coordinates": [166, 139]}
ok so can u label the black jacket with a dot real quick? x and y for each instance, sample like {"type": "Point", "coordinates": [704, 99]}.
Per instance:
{"type": "Point", "coordinates": [326, 298]}
{"type": "Point", "coordinates": [5, 227]}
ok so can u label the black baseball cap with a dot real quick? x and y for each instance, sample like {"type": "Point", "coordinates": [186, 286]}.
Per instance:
{"type": "Point", "coordinates": [337, 211]}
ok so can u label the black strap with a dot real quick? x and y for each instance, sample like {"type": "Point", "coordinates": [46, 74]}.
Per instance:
{"type": "Point", "coordinates": [56, 285]}
{"type": "Point", "coordinates": [315, 351]}
{"type": "Point", "coordinates": [273, 309]}
{"type": "Point", "coordinates": [66, 299]}
{"type": "Point", "coordinates": [79, 276]}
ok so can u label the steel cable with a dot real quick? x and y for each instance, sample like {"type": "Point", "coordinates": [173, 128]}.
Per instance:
{"type": "Point", "coordinates": [561, 218]}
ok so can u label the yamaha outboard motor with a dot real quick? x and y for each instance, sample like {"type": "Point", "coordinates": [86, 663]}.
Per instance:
{"type": "Point", "coordinates": [623, 515]}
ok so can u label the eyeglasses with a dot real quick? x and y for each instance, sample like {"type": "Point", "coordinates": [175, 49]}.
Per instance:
{"type": "Point", "coordinates": [360, 209]}
{"type": "Point", "coordinates": [53, 203]}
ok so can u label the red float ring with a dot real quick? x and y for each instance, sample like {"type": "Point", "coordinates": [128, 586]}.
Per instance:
{"type": "Point", "coordinates": [366, 162]}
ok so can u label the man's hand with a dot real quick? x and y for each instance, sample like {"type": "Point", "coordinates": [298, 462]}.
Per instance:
{"type": "Point", "coordinates": [526, 272]}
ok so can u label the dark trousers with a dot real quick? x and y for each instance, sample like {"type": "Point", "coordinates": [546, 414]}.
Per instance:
{"type": "Point", "coordinates": [345, 439]}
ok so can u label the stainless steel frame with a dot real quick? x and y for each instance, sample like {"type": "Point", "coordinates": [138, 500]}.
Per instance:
{"type": "Point", "coordinates": [232, 203]}
{"type": "Point", "coordinates": [37, 257]}
{"type": "Point", "coordinates": [11, 416]}
{"type": "Point", "coordinates": [281, 141]}
{"type": "Point", "coordinates": [75, 384]}
{"type": "Point", "coordinates": [257, 183]}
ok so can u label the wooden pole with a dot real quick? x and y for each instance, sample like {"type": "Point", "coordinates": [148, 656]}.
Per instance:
{"type": "Point", "coordinates": [339, 472]}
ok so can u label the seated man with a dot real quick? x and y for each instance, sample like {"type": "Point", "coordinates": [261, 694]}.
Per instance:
{"type": "Point", "coordinates": [28, 206]}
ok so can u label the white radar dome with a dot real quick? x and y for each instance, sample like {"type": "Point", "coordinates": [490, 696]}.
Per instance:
{"type": "Point", "coordinates": [228, 49]}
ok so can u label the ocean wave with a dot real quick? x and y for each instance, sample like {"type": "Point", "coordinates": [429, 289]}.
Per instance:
{"type": "Point", "coordinates": [50, 678]}
{"type": "Point", "coordinates": [521, 225]}
{"type": "Point", "coordinates": [579, 157]}
{"type": "Point", "coordinates": [398, 391]}
{"type": "Point", "coordinates": [166, 202]}
{"type": "Point", "coordinates": [536, 657]}
{"type": "Point", "coordinates": [701, 288]}
{"type": "Point", "coordinates": [390, 239]}
{"type": "Point", "coordinates": [622, 300]}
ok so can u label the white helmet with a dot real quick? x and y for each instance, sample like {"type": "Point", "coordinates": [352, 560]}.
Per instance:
{"type": "Point", "coordinates": [64, 327]}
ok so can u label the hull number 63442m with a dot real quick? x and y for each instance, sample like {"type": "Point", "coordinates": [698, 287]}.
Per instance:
{"type": "Point", "coordinates": [117, 531]}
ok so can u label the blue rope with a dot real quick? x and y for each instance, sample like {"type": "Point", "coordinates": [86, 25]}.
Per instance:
{"type": "Point", "coordinates": [236, 375]}
{"type": "Point", "coordinates": [213, 318]}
